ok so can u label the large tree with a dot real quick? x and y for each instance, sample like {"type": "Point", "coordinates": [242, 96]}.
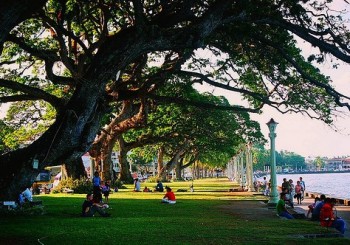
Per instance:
{"type": "Point", "coordinates": [84, 47]}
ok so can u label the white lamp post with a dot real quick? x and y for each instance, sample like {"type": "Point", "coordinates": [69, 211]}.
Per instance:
{"type": "Point", "coordinates": [274, 193]}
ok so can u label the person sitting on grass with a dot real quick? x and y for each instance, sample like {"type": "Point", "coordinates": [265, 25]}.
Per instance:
{"type": "Point", "coordinates": [328, 218]}
{"type": "Point", "coordinates": [159, 186]}
{"type": "Point", "coordinates": [137, 185]}
{"type": "Point", "coordinates": [312, 206]}
{"type": "Point", "coordinates": [89, 208]}
{"type": "Point", "coordinates": [28, 195]}
{"type": "Point", "coordinates": [281, 207]}
{"type": "Point", "coordinates": [169, 196]}
{"type": "Point", "coordinates": [317, 209]}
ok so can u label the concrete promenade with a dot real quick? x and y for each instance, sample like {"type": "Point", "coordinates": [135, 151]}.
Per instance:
{"type": "Point", "coordinates": [342, 211]}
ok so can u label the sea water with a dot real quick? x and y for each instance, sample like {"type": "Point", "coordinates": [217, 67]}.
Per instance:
{"type": "Point", "coordinates": [335, 185]}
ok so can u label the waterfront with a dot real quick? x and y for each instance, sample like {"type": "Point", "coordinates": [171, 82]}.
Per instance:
{"type": "Point", "coordinates": [332, 184]}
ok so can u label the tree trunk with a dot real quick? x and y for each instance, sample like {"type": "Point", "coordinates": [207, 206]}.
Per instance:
{"type": "Point", "coordinates": [178, 169]}
{"type": "Point", "coordinates": [160, 164]}
{"type": "Point", "coordinates": [125, 174]}
{"type": "Point", "coordinates": [103, 145]}
{"type": "Point", "coordinates": [171, 164]}
{"type": "Point", "coordinates": [74, 169]}
{"type": "Point", "coordinates": [68, 138]}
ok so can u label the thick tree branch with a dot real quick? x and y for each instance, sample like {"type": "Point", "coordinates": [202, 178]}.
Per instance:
{"type": "Point", "coordinates": [14, 12]}
{"type": "Point", "coordinates": [317, 42]}
{"type": "Point", "coordinates": [40, 53]}
{"type": "Point", "coordinates": [331, 91]}
{"type": "Point", "coordinates": [31, 93]}
{"type": "Point", "coordinates": [180, 101]}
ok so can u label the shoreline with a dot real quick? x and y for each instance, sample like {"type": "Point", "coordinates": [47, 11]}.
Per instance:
{"type": "Point", "coordinates": [316, 192]}
{"type": "Point", "coordinates": [339, 200]}
{"type": "Point", "coordinates": [262, 174]}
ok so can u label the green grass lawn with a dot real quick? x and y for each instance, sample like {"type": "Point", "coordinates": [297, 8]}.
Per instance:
{"type": "Point", "coordinates": [140, 218]}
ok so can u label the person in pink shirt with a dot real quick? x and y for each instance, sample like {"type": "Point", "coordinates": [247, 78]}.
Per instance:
{"type": "Point", "coordinates": [298, 192]}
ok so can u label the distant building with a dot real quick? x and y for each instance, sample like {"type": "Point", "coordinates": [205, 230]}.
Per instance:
{"type": "Point", "coordinates": [346, 163]}
{"type": "Point", "coordinates": [337, 164]}
{"type": "Point", "coordinates": [333, 164]}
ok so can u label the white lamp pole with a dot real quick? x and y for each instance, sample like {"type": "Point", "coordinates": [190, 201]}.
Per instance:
{"type": "Point", "coordinates": [274, 193]}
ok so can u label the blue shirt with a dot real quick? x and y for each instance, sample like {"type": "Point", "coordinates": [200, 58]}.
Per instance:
{"type": "Point", "coordinates": [96, 181]}
{"type": "Point", "coordinates": [317, 210]}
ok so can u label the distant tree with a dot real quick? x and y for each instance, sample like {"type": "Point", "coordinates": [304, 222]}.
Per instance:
{"type": "Point", "coordinates": [283, 158]}
{"type": "Point", "coordinates": [319, 163]}
{"type": "Point", "coordinates": [292, 160]}
{"type": "Point", "coordinates": [6, 141]}
{"type": "Point", "coordinates": [261, 157]}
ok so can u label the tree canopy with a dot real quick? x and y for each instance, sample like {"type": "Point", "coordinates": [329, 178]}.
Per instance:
{"type": "Point", "coordinates": [83, 57]}
{"type": "Point", "coordinates": [210, 136]}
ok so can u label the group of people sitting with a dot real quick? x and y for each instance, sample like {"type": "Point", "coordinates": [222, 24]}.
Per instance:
{"type": "Point", "coordinates": [137, 186]}
{"type": "Point", "coordinates": [91, 206]}
{"type": "Point", "coordinates": [322, 210]}
{"type": "Point", "coordinates": [169, 196]}
{"type": "Point", "coordinates": [94, 202]}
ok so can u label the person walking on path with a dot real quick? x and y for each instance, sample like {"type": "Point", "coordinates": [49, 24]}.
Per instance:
{"type": "Point", "coordinates": [302, 183]}
{"type": "Point", "coordinates": [298, 189]}
{"type": "Point", "coordinates": [291, 192]}
{"type": "Point", "coordinates": [281, 207]}
{"type": "Point", "coordinates": [265, 185]}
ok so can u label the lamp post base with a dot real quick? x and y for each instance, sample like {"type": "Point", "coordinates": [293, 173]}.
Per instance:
{"type": "Point", "coordinates": [273, 200]}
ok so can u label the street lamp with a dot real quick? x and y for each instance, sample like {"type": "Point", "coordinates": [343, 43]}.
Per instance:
{"type": "Point", "coordinates": [274, 193]}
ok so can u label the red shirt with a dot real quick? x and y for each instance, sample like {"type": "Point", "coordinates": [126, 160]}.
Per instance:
{"type": "Point", "coordinates": [326, 215]}
{"type": "Point", "coordinates": [170, 195]}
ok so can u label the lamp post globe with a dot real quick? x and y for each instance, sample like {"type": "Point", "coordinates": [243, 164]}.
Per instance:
{"type": "Point", "coordinates": [273, 198]}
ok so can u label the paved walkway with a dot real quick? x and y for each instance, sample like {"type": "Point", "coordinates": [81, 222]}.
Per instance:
{"type": "Point", "coordinates": [342, 211]}
{"type": "Point", "coordinates": [258, 210]}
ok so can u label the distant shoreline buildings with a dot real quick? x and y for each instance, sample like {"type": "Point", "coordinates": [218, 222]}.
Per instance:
{"type": "Point", "coordinates": [328, 164]}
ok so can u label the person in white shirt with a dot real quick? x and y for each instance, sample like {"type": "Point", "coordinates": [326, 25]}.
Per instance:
{"type": "Point", "coordinates": [137, 185]}
{"type": "Point", "coordinates": [302, 183]}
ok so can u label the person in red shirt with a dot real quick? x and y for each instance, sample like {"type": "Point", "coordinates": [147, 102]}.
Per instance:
{"type": "Point", "coordinates": [169, 196]}
{"type": "Point", "coordinates": [327, 217]}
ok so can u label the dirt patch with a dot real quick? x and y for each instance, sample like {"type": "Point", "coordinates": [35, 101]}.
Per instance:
{"type": "Point", "coordinates": [248, 210]}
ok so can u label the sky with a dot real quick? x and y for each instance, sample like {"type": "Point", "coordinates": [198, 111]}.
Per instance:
{"type": "Point", "coordinates": [310, 137]}
{"type": "Point", "coordinates": [300, 134]}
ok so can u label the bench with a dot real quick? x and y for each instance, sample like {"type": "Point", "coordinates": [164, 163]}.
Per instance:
{"type": "Point", "coordinates": [9, 204]}
{"type": "Point", "coordinates": [67, 190]}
